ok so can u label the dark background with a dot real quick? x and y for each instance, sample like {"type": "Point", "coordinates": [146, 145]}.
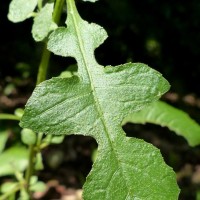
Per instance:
{"type": "Point", "coordinates": [131, 25]}
{"type": "Point", "coordinates": [163, 34]}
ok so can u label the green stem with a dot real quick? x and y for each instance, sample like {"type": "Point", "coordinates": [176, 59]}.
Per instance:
{"type": "Point", "coordinates": [30, 169]}
{"type": "Point", "coordinates": [46, 53]}
{"type": "Point", "coordinates": [42, 72]}
{"type": "Point", "coordinates": [9, 117]}
{"type": "Point", "coordinates": [39, 139]}
{"type": "Point", "coordinates": [40, 4]}
{"type": "Point", "coordinates": [58, 10]}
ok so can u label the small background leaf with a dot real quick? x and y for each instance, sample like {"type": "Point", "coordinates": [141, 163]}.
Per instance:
{"type": "Point", "coordinates": [13, 159]}
{"type": "Point", "coordinates": [19, 10]}
{"type": "Point", "coordinates": [71, 70]}
{"type": "Point", "coordinates": [43, 23]}
{"type": "Point", "coordinates": [163, 114]}
{"type": "Point", "coordinates": [57, 139]}
{"type": "Point", "coordinates": [39, 162]}
{"type": "Point", "coordinates": [28, 136]}
{"type": "Point", "coordinates": [19, 112]}
{"type": "Point", "coordinates": [3, 139]}
{"type": "Point", "coordinates": [38, 187]}
{"type": "Point", "coordinates": [8, 186]}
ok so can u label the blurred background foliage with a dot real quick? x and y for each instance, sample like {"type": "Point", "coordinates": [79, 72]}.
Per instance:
{"type": "Point", "coordinates": [163, 34]}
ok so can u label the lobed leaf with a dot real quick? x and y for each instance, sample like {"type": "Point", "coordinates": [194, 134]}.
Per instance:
{"type": "Point", "coordinates": [165, 115]}
{"type": "Point", "coordinates": [94, 103]}
{"type": "Point", "coordinates": [19, 10]}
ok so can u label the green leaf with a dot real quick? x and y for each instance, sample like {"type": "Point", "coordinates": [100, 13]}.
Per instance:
{"type": "Point", "coordinates": [71, 70]}
{"type": "Point", "coordinates": [3, 139]}
{"type": "Point", "coordinates": [19, 10]}
{"type": "Point", "coordinates": [23, 195]}
{"type": "Point", "coordinates": [19, 112]}
{"type": "Point", "coordinates": [38, 187]}
{"type": "Point", "coordinates": [165, 115]}
{"type": "Point", "coordinates": [138, 173]}
{"type": "Point", "coordinates": [12, 160]}
{"type": "Point", "coordinates": [28, 136]}
{"type": "Point", "coordinates": [43, 23]}
{"type": "Point", "coordinates": [39, 162]}
{"type": "Point", "coordinates": [57, 139]}
{"type": "Point", "coordinates": [8, 186]}
{"type": "Point", "coordinates": [33, 180]}
{"type": "Point", "coordinates": [94, 103]}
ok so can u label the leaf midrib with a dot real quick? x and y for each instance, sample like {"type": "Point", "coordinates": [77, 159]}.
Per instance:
{"type": "Point", "coordinates": [73, 12]}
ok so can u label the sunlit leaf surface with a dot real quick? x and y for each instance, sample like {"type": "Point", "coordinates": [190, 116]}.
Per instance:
{"type": "Point", "coordinates": [94, 103]}
{"type": "Point", "coordinates": [165, 115]}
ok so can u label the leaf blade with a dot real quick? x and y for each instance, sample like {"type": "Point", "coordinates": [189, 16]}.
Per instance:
{"type": "Point", "coordinates": [19, 10]}
{"type": "Point", "coordinates": [13, 159]}
{"type": "Point", "coordinates": [93, 103]}
{"type": "Point", "coordinates": [135, 175]}
{"type": "Point", "coordinates": [163, 114]}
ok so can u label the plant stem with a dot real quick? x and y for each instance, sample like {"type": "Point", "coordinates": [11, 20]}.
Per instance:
{"type": "Point", "coordinates": [42, 72]}
{"type": "Point", "coordinates": [58, 10]}
{"type": "Point", "coordinates": [40, 4]}
{"type": "Point", "coordinates": [30, 169]}
{"type": "Point", "coordinates": [46, 53]}
{"type": "Point", "coordinates": [9, 117]}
